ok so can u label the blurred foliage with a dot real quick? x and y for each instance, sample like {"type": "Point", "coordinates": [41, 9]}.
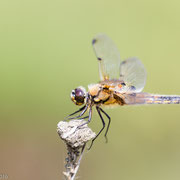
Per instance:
{"type": "Point", "coordinates": [46, 51]}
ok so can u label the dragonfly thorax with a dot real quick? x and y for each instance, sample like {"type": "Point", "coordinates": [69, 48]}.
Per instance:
{"type": "Point", "coordinates": [99, 93]}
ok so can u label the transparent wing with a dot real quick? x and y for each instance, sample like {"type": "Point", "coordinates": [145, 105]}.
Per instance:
{"type": "Point", "coordinates": [108, 57]}
{"type": "Point", "coordinates": [133, 73]}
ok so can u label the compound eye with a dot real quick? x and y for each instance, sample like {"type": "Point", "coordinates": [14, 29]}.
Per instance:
{"type": "Point", "coordinates": [79, 96]}
{"type": "Point", "coordinates": [79, 92]}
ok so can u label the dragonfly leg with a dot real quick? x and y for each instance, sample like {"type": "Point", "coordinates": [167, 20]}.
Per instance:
{"type": "Point", "coordinates": [83, 109]}
{"type": "Point", "coordinates": [99, 112]}
{"type": "Point", "coordinates": [109, 122]}
{"type": "Point", "coordinates": [83, 118]}
{"type": "Point", "coordinates": [89, 118]}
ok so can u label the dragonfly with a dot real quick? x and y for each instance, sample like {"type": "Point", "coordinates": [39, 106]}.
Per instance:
{"type": "Point", "coordinates": [121, 83]}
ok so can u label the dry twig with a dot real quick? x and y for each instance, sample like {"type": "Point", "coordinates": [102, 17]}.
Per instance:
{"type": "Point", "coordinates": [75, 138]}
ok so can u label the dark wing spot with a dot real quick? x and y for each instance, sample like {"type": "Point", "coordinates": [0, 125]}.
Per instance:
{"type": "Point", "coordinates": [121, 75]}
{"type": "Point", "coordinates": [124, 62]}
{"type": "Point", "coordinates": [133, 88]}
{"type": "Point", "coordinates": [99, 58]}
{"type": "Point", "coordinates": [123, 83]}
{"type": "Point", "coordinates": [94, 41]}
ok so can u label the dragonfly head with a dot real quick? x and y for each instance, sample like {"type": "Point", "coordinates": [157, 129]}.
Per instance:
{"type": "Point", "coordinates": [78, 95]}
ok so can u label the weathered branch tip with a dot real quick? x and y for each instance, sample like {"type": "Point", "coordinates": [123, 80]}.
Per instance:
{"type": "Point", "coordinates": [75, 137]}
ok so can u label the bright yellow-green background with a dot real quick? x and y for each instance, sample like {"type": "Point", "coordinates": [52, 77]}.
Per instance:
{"type": "Point", "coordinates": [45, 51]}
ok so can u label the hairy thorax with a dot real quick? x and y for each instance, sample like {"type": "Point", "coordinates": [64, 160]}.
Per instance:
{"type": "Point", "coordinates": [102, 94]}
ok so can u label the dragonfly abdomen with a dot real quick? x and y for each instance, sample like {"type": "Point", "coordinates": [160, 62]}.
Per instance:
{"type": "Point", "coordinates": [145, 98]}
{"type": "Point", "coordinates": [162, 99]}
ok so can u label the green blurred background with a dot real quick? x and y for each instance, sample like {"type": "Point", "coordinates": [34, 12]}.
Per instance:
{"type": "Point", "coordinates": [45, 51]}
